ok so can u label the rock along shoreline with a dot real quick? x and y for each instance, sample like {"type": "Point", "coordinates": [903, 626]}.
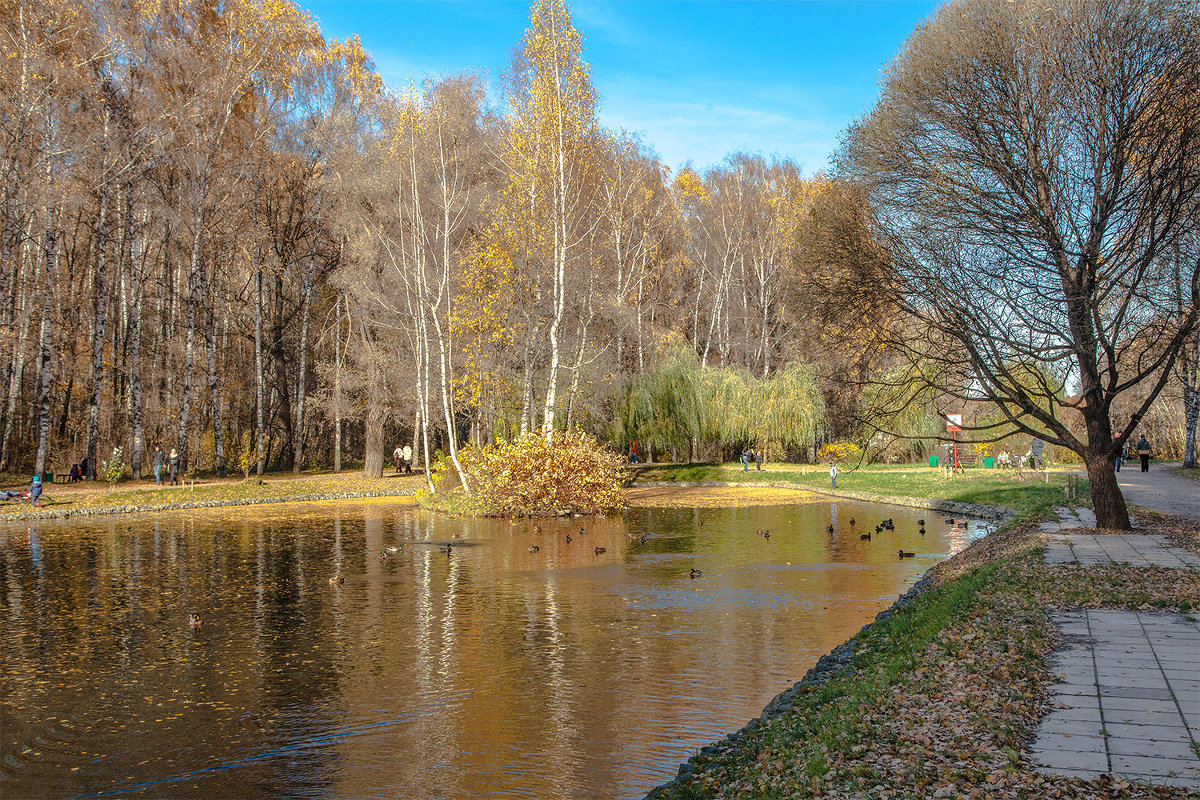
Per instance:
{"type": "Point", "coordinates": [839, 657]}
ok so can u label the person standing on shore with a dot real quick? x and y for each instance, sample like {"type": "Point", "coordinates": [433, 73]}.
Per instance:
{"type": "Point", "coordinates": [408, 453]}
{"type": "Point", "coordinates": [158, 461]}
{"type": "Point", "coordinates": [758, 458]}
{"type": "Point", "coordinates": [746, 460]}
{"type": "Point", "coordinates": [1143, 451]}
{"type": "Point", "coordinates": [832, 475]}
{"type": "Point", "coordinates": [173, 466]}
{"type": "Point", "coordinates": [35, 490]}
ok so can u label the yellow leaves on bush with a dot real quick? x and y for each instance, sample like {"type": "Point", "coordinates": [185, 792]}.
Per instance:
{"type": "Point", "coordinates": [840, 452]}
{"type": "Point", "coordinates": [530, 476]}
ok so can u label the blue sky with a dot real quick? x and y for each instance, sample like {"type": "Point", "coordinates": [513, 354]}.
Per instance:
{"type": "Point", "coordinates": [697, 80]}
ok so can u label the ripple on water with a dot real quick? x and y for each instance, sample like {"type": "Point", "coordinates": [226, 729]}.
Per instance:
{"type": "Point", "coordinates": [494, 671]}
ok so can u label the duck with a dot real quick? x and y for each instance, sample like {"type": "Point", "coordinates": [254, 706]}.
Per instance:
{"type": "Point", "coordinates": [568, 539]}
{"type": "Point", "coordinates": [906, 555]}
{"type": "Point", "coordinates": [888, 524]}
{"type": "Point", "coordinates": [337, 580]}
{"type": "Point", "coordinates": [194, 620]}
{"type": "Point", "coordinates": [533, 548]}
{"type": "Point", "coordinates": [643, 539]}
{"type": "Point", "coordinates": [865, 537]}
{"type": "Point", "coordinates": [758, 532]}
{"type": "Point", "coordinates": [950, 521]}
{"type": "Point", "coordinates": [695, 573]}
{"type": "Point", "coordinates": [921, 522]}
{"type": "Point", "coordinates": [829, 529]}
{"type": "Point", "coordinates": [447, 549]}
{"type": "Point", "coordinates": [393, 549]}
{"type": "Point", "coordinates": [456, 536]}
{"type": "Point", "coordinates": [582, 531]}
{"type": "Point", "coordinates": [922, 530]}
{"type": "Point", "coordinates": [600, 550]}
{"type": "Point", "coordinates": [852, 520]}
{"type": "Point", "coordinates": [537, 528]}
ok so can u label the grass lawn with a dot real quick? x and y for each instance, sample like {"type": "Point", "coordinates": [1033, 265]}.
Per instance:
{"type": "Point", "coordinates": [145, 495]}
{"type": "Point", "coordinates": [1031, 496]}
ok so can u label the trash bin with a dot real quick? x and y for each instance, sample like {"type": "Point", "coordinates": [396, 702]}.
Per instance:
{"type": "Point", "coordinates": [989, 463]}
{"type": "Point", "coordinates": [48, 477]}
{"type": "Point", "coordinates": [933, 461]}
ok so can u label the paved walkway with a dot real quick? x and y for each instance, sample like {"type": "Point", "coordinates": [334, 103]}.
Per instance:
{"type": "Point", "coordinates": [1160, 489]}
{"type": "Point", "coordinates": [1128, 697]}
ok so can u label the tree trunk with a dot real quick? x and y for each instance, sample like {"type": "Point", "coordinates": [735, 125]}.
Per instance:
{"type": "Point", "coordinates": [51, 257]}
{"type": "Point", "coordinates": [101, 319]}
{"type": "Point", "coordinates": [337, 388]}
{"type": "Point", "coordinates": [298, 447]}
{"type": "Point", "coordinates": [210, 341]}
{"type": "Point", "coordinates": [258, 372]}
{"type": "Point", "coordinates": [135, 334]}
{"type": "Point", "coordinates": [189, 351]}
{"type": "Point", "coordinates": [20, 348]}
{"type": "Point", "coordinates": [1191, 413]}
{"type": "Point", "coordinates": [1107, 500]}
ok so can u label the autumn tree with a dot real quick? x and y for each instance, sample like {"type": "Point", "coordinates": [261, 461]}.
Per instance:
{"type": "Point", "coordinates": [1028, 164]}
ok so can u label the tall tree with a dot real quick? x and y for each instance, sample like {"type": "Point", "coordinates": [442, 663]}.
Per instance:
{"type": "Point", "coordinates": [1028, 165]}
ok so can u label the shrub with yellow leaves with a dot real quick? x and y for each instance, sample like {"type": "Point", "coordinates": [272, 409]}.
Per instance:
{"type": "Point", "coordinates": [572, 473]}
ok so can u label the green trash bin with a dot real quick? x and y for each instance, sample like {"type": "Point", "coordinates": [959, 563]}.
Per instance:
{"type": "Point", "coordinates": [989, 463]}
{"type": "Point", "coordinates": [933, 461]}
{"type": "Point", "coordinates": [48, 477]}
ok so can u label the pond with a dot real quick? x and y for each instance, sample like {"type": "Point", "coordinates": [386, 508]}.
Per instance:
{"type": "Point", "coordinates": [584, 669]}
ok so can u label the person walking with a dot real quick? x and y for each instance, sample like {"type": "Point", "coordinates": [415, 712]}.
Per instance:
{"type": "Point", "coordinates": [758, 459]}
{"type": "Point", "coordinates": [407, 454]}
{"type": "Point", "coordinates": [832, 475]}
{"type": "Point", "coordinates": [746, 460]}
{"type": "Point", "coordinates": [1035, 450]}
{"type": "Point", "coordinates": [1119, 458]}
{"type": "Point", "coordinates": [158, 461]}
{"type": "Point", "coordinates": [1143, 451]}
{"type": "Point", "coordinates": [173, 466]}
{"type": "Point", "coordinates": [35, 490]}
{"type": "Point", "coordinates": [397, 457]}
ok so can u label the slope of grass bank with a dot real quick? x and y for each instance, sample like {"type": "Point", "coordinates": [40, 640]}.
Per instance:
{"type": "Point", "coordinates": [940, 697]}
{"type": "Point", "coordinates": [1031, 496]}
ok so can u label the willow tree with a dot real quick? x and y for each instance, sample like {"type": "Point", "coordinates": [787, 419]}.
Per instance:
{"type": "Point", "coordinates": [1029, 165]}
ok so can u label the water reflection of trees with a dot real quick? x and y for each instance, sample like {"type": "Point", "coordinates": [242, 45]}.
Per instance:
{"type": "Point", "coordinates": [564, 666]}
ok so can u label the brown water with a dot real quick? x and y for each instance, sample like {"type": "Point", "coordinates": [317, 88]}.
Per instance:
{"type": "Point", "coordinates": [491, 672]}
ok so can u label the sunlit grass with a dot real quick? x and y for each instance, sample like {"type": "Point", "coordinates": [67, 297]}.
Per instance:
{"type": "Point", "coordinates": [1030, 495]}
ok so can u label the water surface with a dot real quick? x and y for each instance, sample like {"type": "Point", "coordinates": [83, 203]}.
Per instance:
{"type": "Point", "coordinates": [492, 671]}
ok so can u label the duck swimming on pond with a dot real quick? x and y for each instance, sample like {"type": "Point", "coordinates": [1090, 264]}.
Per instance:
{"type": "Point", "coordinates": [852, 520]}
{"type": "Point", "coordinates": [194, 620]}
{"type": "Point", "coordinates": [533, 548]}
{"type": "Point", "coordinates": [695, 573]}
{"type": "Point", "coordinates": [447, 549]}
{"type": "Point", "coordinates": [829, 529]}
{"type": "Point", "coordinates": [906, 555]}
{"type": "Point", "coordinates": [921, 522]}
{"type": "Point", "coordinates": [922, 531]}
{"type": "Point", "coordinates": [568, 539]}
{"type": "Point", "coordinates": [337, 580]}
{"type": "Point", "coordinates": [393, 549]}
{"type": "Point", "coordinates": [600, 550]}
{"type": "Point", "coordinates": [865, 537]}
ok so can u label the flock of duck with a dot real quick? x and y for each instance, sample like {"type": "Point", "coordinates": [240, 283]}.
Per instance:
{"type": "Point", "coordinates": [448, 548]}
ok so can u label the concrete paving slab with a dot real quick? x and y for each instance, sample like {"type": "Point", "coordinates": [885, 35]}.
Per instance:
{"type": "Point", "coordinates": [1114, 683]}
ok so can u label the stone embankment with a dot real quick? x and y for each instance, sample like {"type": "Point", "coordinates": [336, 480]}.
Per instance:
{"type": "Point", "coordinates": [144, 508]}
{"type": "Point", "coordinates": [840, 657]}
{"type": "Point", "coordinates": [826, 667]}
